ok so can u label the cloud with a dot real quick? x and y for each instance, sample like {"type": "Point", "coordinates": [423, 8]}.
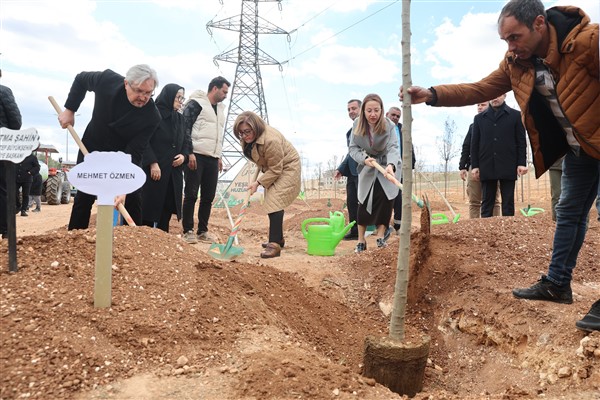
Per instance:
{"type": "Point", "coordinates": [461, 52]}
{"type": "Point", "coordinates": [350, 65]}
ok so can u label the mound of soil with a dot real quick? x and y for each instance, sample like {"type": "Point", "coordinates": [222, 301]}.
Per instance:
{"type": "Point", "coordinates": [184, 325]}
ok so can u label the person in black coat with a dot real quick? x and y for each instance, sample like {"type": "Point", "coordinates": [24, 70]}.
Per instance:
{"type": "Point", "coordinates": [124, 118]}
{"type": "Point", "coordinates": [394, 114]}
{"type": "Point", "coordinates": [163, 161]}
{"type": "Point", "coordinates": [24, 177]}
{"type": "Point", "coordinates": [498, 154]}
{"type": "Point", "coordinates": [347, 168]}
{"type": "Point", "coordinates": [35, 193]}
{"type": "Point", "coordinates": [10, 117]}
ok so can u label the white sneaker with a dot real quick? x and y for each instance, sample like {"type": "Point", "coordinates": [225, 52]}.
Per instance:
{"type": "Point", "coordinates": [190, 237]}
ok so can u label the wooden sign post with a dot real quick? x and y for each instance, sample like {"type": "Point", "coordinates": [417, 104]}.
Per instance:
{"type": "Point", "coordinates": [106, 175]}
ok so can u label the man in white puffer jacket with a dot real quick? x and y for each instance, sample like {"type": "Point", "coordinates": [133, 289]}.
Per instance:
{"type": "Point", "coordinates": [204, 117]}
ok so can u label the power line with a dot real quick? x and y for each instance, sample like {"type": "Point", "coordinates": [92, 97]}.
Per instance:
{"type": "Point", "coordinates": [340, 32]}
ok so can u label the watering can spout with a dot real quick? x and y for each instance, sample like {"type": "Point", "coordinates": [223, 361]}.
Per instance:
{"type": "Point", "coordinates": [338, 236]}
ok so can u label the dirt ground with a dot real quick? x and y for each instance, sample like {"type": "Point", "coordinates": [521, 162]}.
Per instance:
{"type": "Point", "coordinates": [183, 325]}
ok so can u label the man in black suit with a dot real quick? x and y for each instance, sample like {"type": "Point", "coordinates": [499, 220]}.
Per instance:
{"type": "Point", "coordinates": [498, 154]}
{"type": "Point", "coordinates": [124, 119]}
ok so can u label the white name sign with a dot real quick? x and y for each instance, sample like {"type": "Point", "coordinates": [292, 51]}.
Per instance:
{"type": "Point", "coordinates": [15, 146]}
{"type": "Point", "coordinates": [106, 175]}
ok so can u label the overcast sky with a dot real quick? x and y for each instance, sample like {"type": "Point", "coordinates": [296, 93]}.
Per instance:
{"type": "Point", "coordinates": [338, 50]}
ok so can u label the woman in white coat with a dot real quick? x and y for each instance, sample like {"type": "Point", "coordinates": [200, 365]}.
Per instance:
{"type": "Point", "coordinates": [374, 140]}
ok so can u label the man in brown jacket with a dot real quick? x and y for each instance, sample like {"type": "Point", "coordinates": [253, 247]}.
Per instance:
{"type": "Point", "coordinates": [552, 67]}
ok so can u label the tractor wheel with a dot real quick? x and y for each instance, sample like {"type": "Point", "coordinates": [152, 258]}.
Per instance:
{"type": "Point", "coordinates": [66, 193]}
{"type": "Point", "coordinates": [54, 188]}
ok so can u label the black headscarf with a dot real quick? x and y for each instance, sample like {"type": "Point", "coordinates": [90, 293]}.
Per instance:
{"type": "Point", "coordinates": [166, 98]}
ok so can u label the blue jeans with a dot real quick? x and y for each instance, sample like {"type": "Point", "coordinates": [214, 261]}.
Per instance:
{"type": "Point", "coordinates": [579, 188]}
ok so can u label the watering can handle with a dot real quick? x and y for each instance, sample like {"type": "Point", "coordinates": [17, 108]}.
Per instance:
{"type": "Point", "coordinates": [311, 220]}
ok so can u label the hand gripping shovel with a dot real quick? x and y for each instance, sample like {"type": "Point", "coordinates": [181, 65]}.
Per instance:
{"type": "Point", "coordinates": [228, 251]}
{"type": "Point", "coordinates": [85, 152]}
{"type": "Point", "coordinates": [395, 181]}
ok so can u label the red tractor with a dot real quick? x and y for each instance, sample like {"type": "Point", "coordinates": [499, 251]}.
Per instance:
{"type": "Point", "coordinates": [56, 189]}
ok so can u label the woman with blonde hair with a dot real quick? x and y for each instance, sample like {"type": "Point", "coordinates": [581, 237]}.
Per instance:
{"type": "Point", "coordinates": [374, 140]}
{"type": "Point", "coordinates": [280, 164]}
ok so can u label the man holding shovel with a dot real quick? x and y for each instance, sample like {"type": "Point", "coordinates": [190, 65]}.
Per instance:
{"type": "Point", "coordinates": [124, 119]}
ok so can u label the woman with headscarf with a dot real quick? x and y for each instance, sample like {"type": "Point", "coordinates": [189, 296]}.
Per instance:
{"type": "Point", "coordinates": [163, 161]}
{"type": "Point", "coordinates": [374, 140]}
{"type": "Point", "coordinates": [279, 161]}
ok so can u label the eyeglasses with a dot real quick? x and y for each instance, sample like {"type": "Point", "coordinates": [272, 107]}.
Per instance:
{"type": "Point", "coordinates": [395, 115]}
{"type": "Point", "coordinates": [246, 133]}
{"type": "Point", "coordinates": [180, 99]}
{"type": "Point", "coordinates": [140, 92]}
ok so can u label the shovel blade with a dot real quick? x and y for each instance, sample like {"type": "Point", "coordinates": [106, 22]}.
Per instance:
{"type": "Point", "coordinates": [223, 252]}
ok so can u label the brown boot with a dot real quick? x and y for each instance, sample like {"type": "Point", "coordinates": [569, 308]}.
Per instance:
{"type": "Point", "coordinates": [281, 243]}
{"type": "Point", "coordinates": [271, 250]}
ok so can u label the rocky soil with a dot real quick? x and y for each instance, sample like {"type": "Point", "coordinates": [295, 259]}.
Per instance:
{"type": "Point", "coordinates": [183, 325]}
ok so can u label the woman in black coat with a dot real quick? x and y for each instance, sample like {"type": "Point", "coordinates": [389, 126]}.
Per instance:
{"type": "Point", "coordinates": [163, 162]}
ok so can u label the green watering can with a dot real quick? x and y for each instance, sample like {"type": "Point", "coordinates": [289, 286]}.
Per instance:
{"type": "Point", "coordinates": [324, 234]}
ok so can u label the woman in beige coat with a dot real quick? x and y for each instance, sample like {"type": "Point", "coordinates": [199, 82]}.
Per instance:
{"type": "Point", "coordinates": [280, 163]}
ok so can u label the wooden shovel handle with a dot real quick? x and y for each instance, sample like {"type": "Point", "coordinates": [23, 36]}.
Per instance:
{"type": "Point", "coordinates": [392, 178]}
{"type": "Point", "coordinates": [69, 128]}
{"type": "Point", "coordinates": [85, 152]}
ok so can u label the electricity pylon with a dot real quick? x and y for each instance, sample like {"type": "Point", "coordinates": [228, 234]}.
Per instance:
{"type": "Point", "coordinates": [247, 90]}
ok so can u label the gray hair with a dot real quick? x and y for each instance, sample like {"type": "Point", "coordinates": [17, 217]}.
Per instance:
{"type": "Point", "coordinates": [141, 73]}
{"type": "Point", "coordinates": [524, 11]}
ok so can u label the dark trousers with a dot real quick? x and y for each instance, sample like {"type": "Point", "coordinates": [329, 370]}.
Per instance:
{"type": "Point", "coordinates": [352, 200]}
{"type": "Point", "coordinates": [398, 210]}
{"type": "Point", "coordinates": [488, 197]}
{"type": "Point", "coordinates": [205, 178]}
{"type": "Point", "coordinates": [25, 188]}
{"type": "Point", "coordinates": [167, 211]}
{"type": "Point", "coordinates": [3, 198]}
{"type": "Point", "coordinates": [82, 209]}
{"type": "Point", "coordinates": [276, 226]}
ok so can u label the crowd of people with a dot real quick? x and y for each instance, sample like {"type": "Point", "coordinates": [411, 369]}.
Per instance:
{"type": "Point", "coordinates": [179, 144]}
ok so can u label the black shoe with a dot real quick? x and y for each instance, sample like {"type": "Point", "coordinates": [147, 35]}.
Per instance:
{"type": "Point", "coordinates": [547, 291]}
{"type": "Point", "coordinates": [591, 321]}
{"type": "Point", "coordinates": [360, 247]}
{"type": "Point", "coordinates": [24, 214]}
{"type": "Point", "coordinates": [351, 236]}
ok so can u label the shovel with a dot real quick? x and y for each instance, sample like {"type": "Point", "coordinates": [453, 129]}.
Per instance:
{"type": "Point", "coordinates": [228, 251]}
{"type": "Point", "coordinates": [395, 181]}
{"type": "Point", "coordinates": [85, 152]}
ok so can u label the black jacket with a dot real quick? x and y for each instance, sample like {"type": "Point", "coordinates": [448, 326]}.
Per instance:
{"type": "Point", "coordinates": [465, 153]}
{"type": "Point", "coordinates": [116, 124]}
{"type": "Point", "coordinates": [348, 165]}
{"type": "Point", "coordinates": [27, 168]}
{"type": "Point", "coordinates": [414, 158]}
{"type": "Point", "coordinates": [498, 143]}
{"type": "Point", "coordinates": [10, 116]}
{"type": "Point", "coordinates": [166, 142]}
